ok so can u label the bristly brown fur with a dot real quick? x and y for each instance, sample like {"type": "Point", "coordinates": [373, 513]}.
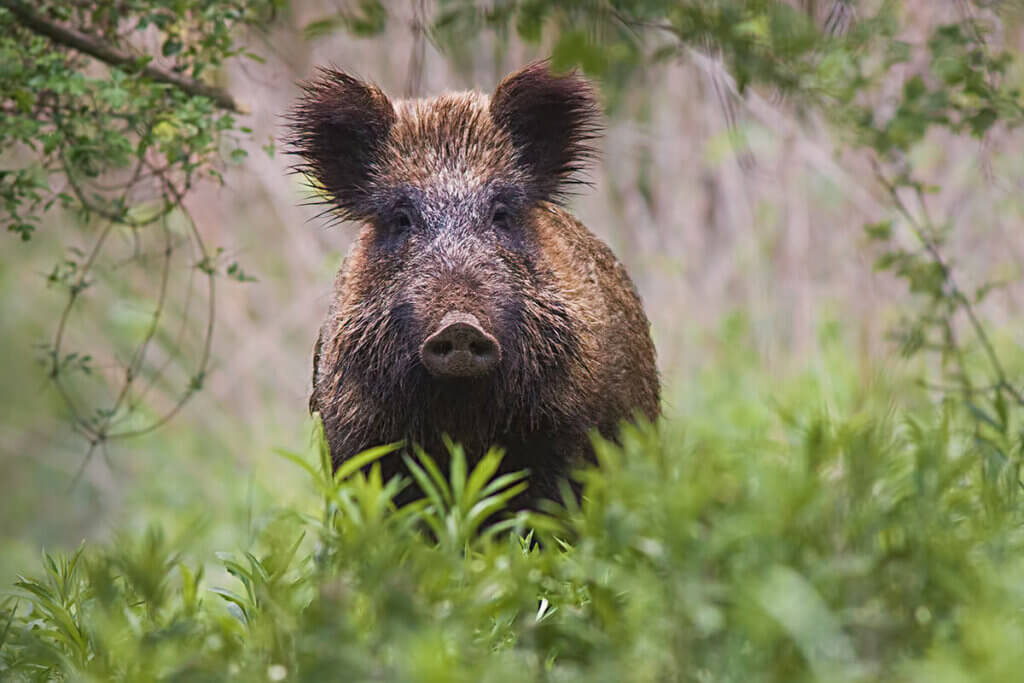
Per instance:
{"type": "Point", "coordinates": [352, 140]}
{"type": "Point", "coordinates": [429, 179]}
{"type": "Point", "coordinates": [339, 128]}
{"type": "Point", "coordinates": [553, 121]}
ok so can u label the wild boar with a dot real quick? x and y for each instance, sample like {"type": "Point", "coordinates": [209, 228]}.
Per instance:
{"type": "Point", "coordinates": [472, 303]}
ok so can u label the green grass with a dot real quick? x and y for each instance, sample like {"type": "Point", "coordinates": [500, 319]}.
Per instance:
{"type": "Point", "coordinates": [834, 525]}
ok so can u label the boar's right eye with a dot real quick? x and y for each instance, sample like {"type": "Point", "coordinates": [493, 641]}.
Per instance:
{"type": "Point", "coordinates": [394, 226]}
{"type": "Point", "coordinates": [501, 217]}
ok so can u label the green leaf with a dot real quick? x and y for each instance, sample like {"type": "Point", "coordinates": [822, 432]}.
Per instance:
{"type": "Point", "coordinates": [171, 47]}
{"type": "Point", "coordinates": [982, 121]}
{"type": "Point", "coordinates": [482, 473]}
{"type": "Point", "coordinates": [530, 21]}
{"type": "Point", "coordinates": [426, 482]}
{"type": "Point", "coordinates": [888, 260]}
{"type": "Point", "coordinates": [357, 462]}
{"type": "Point", "coordinates": [879, 231]}
{"type": "Point", "coordinates": [574, 48]}
{"type": "Point", "coordinates": [299, 460]}
{"type": "Point", "coordinates": [234, 599]}
{"type": "Point", "coordinates": [370, 20]}
{"type": "Point", "coordinates": [790, 599]}
{"type": "Point", "coordinates": [321, 27]}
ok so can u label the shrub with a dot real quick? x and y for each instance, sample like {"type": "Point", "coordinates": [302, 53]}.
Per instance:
{"type": "Point", "coordinates": [831, 536]}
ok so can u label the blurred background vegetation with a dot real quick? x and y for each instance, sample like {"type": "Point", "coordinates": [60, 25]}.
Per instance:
{"type": "Point", "coordinates": [161, 284]}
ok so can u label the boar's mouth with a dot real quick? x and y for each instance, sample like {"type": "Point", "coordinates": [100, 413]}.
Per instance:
{"type": "Point", "coordinates": [460, 347]}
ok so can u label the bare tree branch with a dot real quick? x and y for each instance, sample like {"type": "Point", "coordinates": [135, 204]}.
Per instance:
{"type": "Point", "coordinates": [97, 49]}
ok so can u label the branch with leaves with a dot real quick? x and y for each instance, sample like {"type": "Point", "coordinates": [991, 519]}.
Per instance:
{"type": "Point", "coordinates": [97, 49]}
{"type": "Point", "coordinates": [116, 143]}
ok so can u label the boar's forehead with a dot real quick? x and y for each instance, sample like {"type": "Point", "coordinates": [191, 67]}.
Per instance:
{"type": "Point", "coordinates": [448, 146]}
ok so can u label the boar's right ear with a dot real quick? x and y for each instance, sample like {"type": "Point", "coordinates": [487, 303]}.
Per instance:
{"type": "Point", "coordinates": [553, 120]}
{"type": "Point", "coordinates": [338, 128]}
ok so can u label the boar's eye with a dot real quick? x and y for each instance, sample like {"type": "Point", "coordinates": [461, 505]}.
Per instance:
{"type": "Point", "coordinates": [395, 225]}
{"type": "Point", "coordinates": [401, 221]}
{"type": "Point", "coordinates": [501, 217]}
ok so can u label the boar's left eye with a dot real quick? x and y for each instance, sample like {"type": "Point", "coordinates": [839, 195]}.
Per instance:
{"type": "Point", "coordinates": [501, 217]}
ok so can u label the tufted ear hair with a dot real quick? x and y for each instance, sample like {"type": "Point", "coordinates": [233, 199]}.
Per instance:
{"type": "Point", "coordinates": [338, 128]}
{"type": "Point", "coordinates": [553, 120]}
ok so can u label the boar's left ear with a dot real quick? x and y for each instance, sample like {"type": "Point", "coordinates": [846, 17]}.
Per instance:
{"type": "Point", "coordinates": [553, 120]}
{"type": "Point", "coordinates": [339, 128]}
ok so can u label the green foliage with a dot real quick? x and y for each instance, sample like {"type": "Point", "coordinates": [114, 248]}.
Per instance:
{"type": "Point", "coordinates": [856, 542]}
{"type": "Point", "coordinates": [369, 18]}
{"type": "Point", "coordinates": [85, 124]}
{"type": "Point", "coordinates": [759, 41]}
{"type": "Point", "coordinates": [116, 139]}
{"type": "Point", "coordinates": [968, 92]}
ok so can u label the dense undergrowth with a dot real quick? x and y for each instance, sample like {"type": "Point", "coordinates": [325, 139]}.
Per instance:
{"type": "Point", "coordinates": [834, 528]}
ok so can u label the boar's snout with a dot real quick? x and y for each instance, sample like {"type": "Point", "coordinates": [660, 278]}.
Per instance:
{"type": "Point", "coordinates": [460, 348]}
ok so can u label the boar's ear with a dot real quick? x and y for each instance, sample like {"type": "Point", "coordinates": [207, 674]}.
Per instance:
{"type": "Point", "coordinates": [553, 120]}
{"type": "Point", "coordinates": [338, 128]}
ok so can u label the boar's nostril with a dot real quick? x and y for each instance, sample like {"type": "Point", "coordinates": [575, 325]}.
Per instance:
{"type": "Point", "coordinates": [460, 348]}
{"type": "Point", "coordinates": [441, 347]}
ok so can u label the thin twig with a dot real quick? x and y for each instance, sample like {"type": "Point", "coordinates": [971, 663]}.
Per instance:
{"type": "Point", "coordinates": [924, 231]}
{"type": "Point", "coordinates": [135, 365]}
{"type": "Point", "coordinates": [86, 44]}
{"type": "Point", "coordinates": [417, 51]}
{"type": "Point", "coordinates": [86, 459]}
{"type": "Point", "coordinates": [208, 339]}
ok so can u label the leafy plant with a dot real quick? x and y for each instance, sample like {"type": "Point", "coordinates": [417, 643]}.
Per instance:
{"type": "Point", "coordinates": [967, 92]}
{"type": "Point", "coordinates": [861, 544]}
{"type": "Point", "coordinates": [102, 137]}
